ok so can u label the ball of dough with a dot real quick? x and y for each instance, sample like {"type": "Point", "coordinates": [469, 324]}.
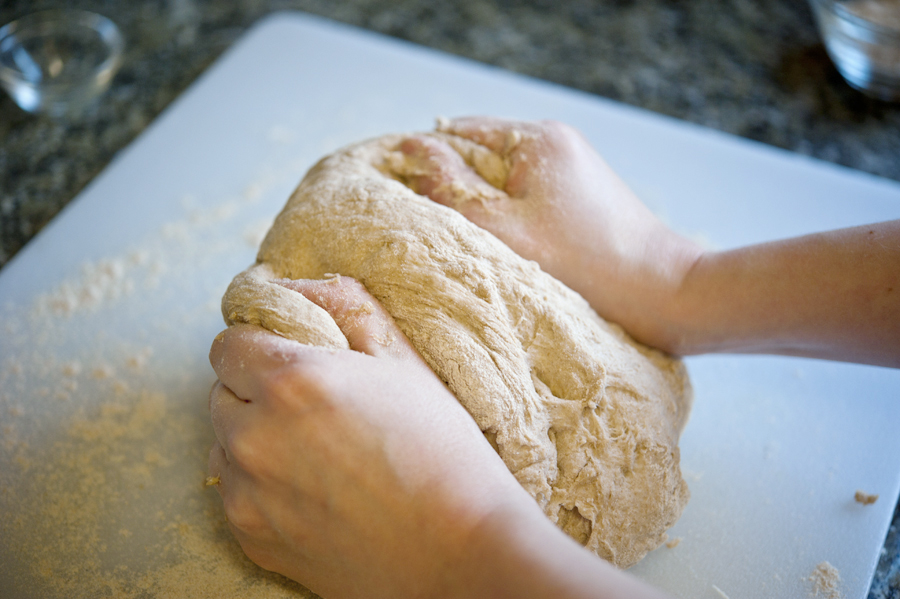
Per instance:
{"type": "Point", "coordinates": [586, 418]}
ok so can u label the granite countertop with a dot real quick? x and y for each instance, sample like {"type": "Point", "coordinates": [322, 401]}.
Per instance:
{"type": "Point", "coordinates": [754, 68]}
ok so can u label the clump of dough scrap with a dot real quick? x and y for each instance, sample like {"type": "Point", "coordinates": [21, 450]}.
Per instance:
{"type": "Point", "coordinates": [586, 418]}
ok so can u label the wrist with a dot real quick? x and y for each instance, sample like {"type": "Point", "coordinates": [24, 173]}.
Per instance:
{"type": "Point", "coordinates": [646, 294]}
{"type": "Point", "coordinates": [501, 559]}
{"type": "Point", "coordinates": [518, 553]}
{"type": "Point", "coordinates": [678, 313]}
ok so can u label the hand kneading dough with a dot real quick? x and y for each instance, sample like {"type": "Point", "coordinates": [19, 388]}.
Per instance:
{"type": "Point", "coordinates": [586, 418]}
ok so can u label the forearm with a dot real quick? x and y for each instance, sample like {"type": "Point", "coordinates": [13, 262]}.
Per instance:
{"type": "Point", "coordinates": [832, 295]}
{"type": "Point", "coordinates": [520, 554]}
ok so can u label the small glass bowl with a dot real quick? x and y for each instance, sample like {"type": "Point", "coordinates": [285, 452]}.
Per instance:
{"type": "Point", "coordinates": [58, 61]}
{"type": "Point", "coordinates": [863, 39]}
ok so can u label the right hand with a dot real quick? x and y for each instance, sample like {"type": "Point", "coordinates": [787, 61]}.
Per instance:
{"type": "Point", "coordinates": [829, 295]}
{"type": "Point", "coordinates": [563, 207]}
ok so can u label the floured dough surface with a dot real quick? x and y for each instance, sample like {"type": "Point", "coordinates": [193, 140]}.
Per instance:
{"type": "Point", "coordinates": [586, 418]}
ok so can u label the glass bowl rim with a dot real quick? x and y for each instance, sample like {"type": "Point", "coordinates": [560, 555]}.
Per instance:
{"type": "Point", "coordinates": [838, 8]}
{"type": "Point", "coordinates": [104, 28]}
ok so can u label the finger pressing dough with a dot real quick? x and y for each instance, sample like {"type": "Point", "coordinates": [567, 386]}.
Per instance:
{"type": "Point", "coordinates": [586, 418]}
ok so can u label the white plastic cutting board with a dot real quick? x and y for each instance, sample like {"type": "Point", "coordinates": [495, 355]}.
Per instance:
{"type": "Point", "coordinates": [775, 448]}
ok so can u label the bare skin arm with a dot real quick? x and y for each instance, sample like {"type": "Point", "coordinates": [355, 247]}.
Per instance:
{"type": "Point", "coordinates": [358, 474]}
{"type": "Point", "coordinates": [833, 295]}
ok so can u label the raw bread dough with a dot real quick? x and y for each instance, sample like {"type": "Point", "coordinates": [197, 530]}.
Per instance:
{"type": "Point", "coordinates": [586, 418]}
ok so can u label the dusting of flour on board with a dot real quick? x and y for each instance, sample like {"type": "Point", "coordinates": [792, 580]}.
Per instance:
{"type": "Point", "coordinates": [104, 432]}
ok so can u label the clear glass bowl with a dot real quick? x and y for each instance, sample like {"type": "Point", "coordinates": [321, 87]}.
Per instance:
{"type": "Point", "coordinates": [58, 61]}
{"type": "Point", "coordinates": [863, 39]}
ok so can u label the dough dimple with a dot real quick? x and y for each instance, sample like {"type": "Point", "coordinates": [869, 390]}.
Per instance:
{"type": "Point", "coordinates": [586, 418]}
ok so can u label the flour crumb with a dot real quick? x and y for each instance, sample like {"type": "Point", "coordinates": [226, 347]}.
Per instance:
{"type": "Point", "coordinates": [139, 360]}
{"type": "Point", "coordinates": [365, 308]}
{"type": "Point", "coordinates": [826, 582]}
{"type": "Point", "coordinates": [139, 257]}
{"type": "Point", "coordinates": [865, 498]}
{"type": "Point", "coordinates": [71, 368]}
{"type": "Point", "coordinates": [673, 543]}
{"type": "Point", "coordinates": [720, 592]}
{"type": "Point", "coordinates": [101, 372]}
{"type": "Point", "coordinates": [15, 368]}
{"type": "Point", "coordinates": [384, 340]}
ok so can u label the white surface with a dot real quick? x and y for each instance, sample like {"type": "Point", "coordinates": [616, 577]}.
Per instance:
{"type": "Point", "coordinates": [775, 448]}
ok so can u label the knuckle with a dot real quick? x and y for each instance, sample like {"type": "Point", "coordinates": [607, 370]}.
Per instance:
{"type": "Point", "coordinates": [279, 385]}
{"type": "Point", "coordinates": [297, 384]}
{"type": "Point", "coordinates": [302, 387]}
{"type": "Point", "coordinates": [246, 452]}
{"type": "Point", "coordinates": [244, 515]}
{"type": "Point", "coordinates": [252, 453]}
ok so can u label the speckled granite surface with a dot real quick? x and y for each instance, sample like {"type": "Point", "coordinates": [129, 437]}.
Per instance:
{"type": "Point", "coordinates": [749, 67]}
{"type": "Point", "coordinates": [754, 68]}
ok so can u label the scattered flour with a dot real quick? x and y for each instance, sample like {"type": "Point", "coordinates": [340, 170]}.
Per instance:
{"type": "Point", "coordinates": [103, 449]}
{"type": "Point", "coordinates": [826, 582]}
{"type": "Point", "coordinates": [94, 515]}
